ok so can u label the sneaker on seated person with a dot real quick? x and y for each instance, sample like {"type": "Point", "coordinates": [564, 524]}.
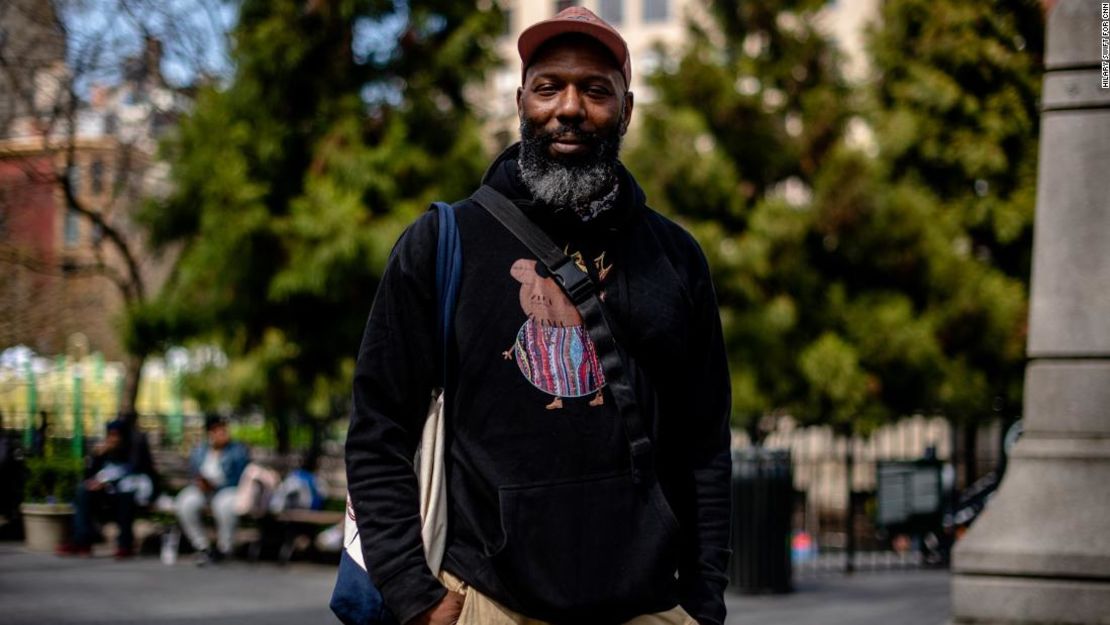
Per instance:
{"type": "Point", "coordinates": [210, 556]}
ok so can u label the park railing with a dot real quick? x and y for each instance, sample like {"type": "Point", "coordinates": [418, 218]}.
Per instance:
{"type": "Point", "coordinates": [835, 520]}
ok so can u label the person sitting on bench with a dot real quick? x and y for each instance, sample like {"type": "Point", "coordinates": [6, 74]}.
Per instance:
{"type": "Point", "coordinates": [120, 477]}
{"type": "Point", "coordinates": [215, 468]}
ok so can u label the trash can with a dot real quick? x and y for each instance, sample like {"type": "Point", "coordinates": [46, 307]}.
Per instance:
{"type": "Point", "coordinates": [763, 493]}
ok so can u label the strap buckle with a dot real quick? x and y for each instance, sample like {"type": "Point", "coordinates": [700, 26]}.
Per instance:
{"type": "Point", "coordinates": [575, 281]}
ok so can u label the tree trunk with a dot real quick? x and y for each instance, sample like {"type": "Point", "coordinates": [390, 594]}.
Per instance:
{"type": "Point", "coordinates": [850, 468]}
{"type": "Point", "coordinates": [971, 457]}
{"type": "Point", "coordinates": [132, 371]}
{"type": "Point", "coordinates": [282, 430]}
{"type": "Point", "coordinates": [278, 413]}
{"type": "Point", "coordinates": [316, 446]}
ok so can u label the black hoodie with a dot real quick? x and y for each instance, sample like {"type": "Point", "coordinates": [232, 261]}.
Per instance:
{"type": "Point", "coordinates": [539, 516]}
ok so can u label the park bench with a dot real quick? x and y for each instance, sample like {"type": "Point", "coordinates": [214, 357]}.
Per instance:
{"type": "Point", "coordinates": [295, 524]}
{"type": "Point", "coordinates": [287, 530]}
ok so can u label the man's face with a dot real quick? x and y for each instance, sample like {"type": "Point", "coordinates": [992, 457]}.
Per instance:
{"type": "Point", "coordinates": [112, 440]}
{"type": "Point", "coordinates": [218, 436]}
{"type": "Point", "coordinates": [574, 98]}
{"type": "Point", "coordinates": [573, 109]}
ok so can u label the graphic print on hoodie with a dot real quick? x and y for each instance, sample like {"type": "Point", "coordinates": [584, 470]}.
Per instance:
{"type": "Point", "coordinates": [553, 348]}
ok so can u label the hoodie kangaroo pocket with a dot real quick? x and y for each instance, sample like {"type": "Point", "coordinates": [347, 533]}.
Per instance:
{"type": "Point", "coordinates": [587, 550]}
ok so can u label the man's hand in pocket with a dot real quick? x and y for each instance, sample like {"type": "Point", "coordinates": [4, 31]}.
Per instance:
{"type": "Point", "coordinates": [446, 612]}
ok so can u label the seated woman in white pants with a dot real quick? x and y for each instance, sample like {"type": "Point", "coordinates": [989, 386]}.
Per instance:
{"type": "Point", "coordinates": [214, 468]}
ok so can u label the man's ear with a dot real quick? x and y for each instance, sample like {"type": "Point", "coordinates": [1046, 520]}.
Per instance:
{"type": "Point", "coordinates": [627, 117]}
{"type": "Point", "coordinates": [519, 96]}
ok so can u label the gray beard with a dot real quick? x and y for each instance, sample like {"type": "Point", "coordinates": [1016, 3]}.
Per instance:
{"type": "Point", "coordinates": [589, 187]}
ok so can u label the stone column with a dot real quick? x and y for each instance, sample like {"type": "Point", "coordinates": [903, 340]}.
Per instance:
{"type": "Point", "coordinates": [1040, 553]}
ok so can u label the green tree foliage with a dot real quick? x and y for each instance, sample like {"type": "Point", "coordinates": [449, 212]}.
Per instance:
{"type": "Point", "coordinates": [859, 280]}
{"type": "Point", "coordinates": [738, 126]}
{"type": "Point", "coordinates": [957, 124]}
{"type": "Point", "coordinates": [343, 120]}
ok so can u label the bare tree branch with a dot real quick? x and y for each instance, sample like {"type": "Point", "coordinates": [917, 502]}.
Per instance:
{"type": "Point", "coordinates": [102, 97]}
{"type": "Point", "coordinates": [138, 290]}
{"type": "Point", "coordinates": [33, 262]}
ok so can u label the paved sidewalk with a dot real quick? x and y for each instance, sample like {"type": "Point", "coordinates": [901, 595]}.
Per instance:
{"type": "Point", "coordinates": [41, 589]}
{"type": "Point", "coordinates": [906, 597]}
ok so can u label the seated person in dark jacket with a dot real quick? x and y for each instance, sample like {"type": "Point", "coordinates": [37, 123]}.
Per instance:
{"type": "Point", "coordinates": [120, 477]}
{"type": "Point", "coordinates": [214, 468]}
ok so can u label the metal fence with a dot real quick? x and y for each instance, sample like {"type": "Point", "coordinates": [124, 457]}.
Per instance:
{"type": "Point", "coordinates": [834, 524]}
{"type": "Point", "coordinates": [77, 396]}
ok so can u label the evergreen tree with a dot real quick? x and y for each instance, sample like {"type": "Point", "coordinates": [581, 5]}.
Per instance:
{"type": "Point", "coordinates": [731, 146]}
{"type": "Point", "coordinates": [957, 124]}
{"type": "Point", "coordinates": [858, 282]}
{"type": "Point", "coordinates": [343, 120]}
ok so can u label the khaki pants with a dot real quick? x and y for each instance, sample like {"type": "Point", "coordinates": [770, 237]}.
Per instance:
{"type": "Point", "coordinates": [479, 609]}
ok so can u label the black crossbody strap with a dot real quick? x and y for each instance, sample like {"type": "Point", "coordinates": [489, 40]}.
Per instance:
{"type": "Point", "coordinates": [581, 290]}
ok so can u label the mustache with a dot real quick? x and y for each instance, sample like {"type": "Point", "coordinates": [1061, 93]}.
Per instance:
{"type": "Point", "coordinates": [564, 132]}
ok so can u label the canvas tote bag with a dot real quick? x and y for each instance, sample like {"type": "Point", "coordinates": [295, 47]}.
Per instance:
{"type": "Point", "coordinates": [355, 600]}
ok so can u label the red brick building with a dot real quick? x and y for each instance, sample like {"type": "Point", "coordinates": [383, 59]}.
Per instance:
{"type": "Point", "coordinates": [59, 275]}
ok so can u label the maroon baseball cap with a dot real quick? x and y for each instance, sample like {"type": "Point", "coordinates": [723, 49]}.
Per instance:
{"type": "Point", "coordinates": [574, 20]}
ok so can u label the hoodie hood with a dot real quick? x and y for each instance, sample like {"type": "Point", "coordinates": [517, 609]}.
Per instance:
{"type": "Point", "coordinates": [504, 175]}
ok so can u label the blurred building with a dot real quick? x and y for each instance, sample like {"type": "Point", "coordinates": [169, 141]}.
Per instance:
{"type": "Point", "coordinates": [654, 30]}
{"type": "Point", "coordinates": [59, 277]}
{"type": "Point", "coordinates": [31, 39]}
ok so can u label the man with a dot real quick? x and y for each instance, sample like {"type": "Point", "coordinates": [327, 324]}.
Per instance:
{"type": "Point", "coordinates": [120, 477]}
{"type": "Point", "coordinates": [537, 451]}
{"type": "Point", "coordinates": [215, 469]}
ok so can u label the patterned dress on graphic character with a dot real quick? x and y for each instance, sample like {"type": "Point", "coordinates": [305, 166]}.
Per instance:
{"type": "Point", "coordinates": [558, 360]}
{"type": "Point", "coordinates": [553, 349]}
